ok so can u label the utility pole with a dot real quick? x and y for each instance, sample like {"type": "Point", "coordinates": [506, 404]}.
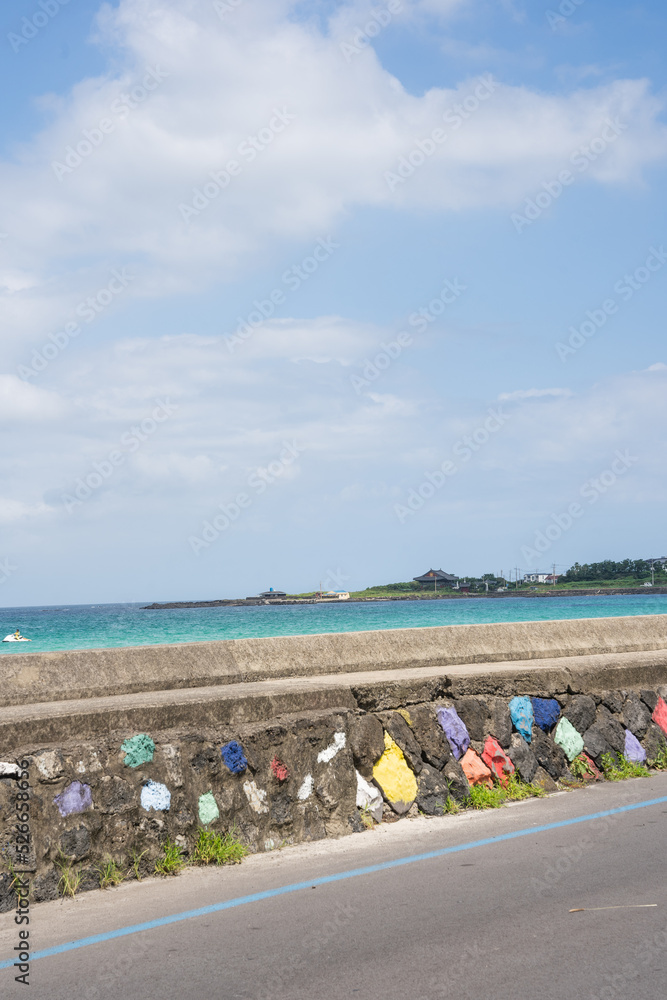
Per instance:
{"type": "Point", "coordinates": [516, 577]}
{"type": "Point", "coordinates": [553, 574]}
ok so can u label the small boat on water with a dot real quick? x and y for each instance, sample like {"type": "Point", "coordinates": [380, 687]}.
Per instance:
{"type": "Point", "coordinates": [16, 637]}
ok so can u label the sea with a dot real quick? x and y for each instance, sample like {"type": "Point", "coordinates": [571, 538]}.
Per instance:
{"type": "Point", "coordinates": [97, 626]}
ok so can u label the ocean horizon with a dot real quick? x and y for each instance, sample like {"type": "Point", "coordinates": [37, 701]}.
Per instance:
{"type": "Point", "coordinates": [102, 626]}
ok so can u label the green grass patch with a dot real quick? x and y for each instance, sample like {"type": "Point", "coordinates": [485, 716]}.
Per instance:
{"type": "Point", "coordinates": [482, 797]}
{"type": "Point", "coordinates": [659, 762]}
{"type": "Point", "coordinates": [172, 861]}
{"type": "Point", "coordinates": [218, 849]}
{"type": "Point", "coordinates": [616, 767]}
{"type": "Point", "coordinates": [70, 876]}
{"type": "Point", "coordinates": [110, 873]}
{"type": "Point", "coordinates": [517, 790]}
{"type": "Point", "coordinates": [135, 859]}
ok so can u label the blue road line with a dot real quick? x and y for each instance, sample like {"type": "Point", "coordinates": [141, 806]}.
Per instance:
{"type": "Point", "coordinates": [256, 897]}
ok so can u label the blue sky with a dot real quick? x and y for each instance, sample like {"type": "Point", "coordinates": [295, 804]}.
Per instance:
{"type": "Point", "coordinates": [156, 375]}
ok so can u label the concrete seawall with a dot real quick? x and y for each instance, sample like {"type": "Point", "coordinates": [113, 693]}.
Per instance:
{"type": "Point", "coordinates": [89, 673]}
{"type": "Point", "coordinates": [285, 739]}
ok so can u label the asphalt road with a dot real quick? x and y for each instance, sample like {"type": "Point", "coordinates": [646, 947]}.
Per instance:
{"type": "Point", "coordinates": [484, 922]}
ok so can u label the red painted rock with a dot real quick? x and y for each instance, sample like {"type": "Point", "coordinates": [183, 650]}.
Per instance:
{"type": "Point", "coordinates": [497, 760]}
{"type": "Point", "coordinates": [660, 715]}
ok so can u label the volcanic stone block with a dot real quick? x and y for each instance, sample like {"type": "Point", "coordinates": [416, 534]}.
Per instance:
{"type": "Point", "coordinates": [75, 843]}
{"type": "Point", "coordinates": [595, 744]}
{"type": "Point", "coordinates": [653, 740]}
{"type": "Point", "coordinates": [401, 734]}
{"type": "Point", "coordinates": [115, 795]}
{"type": "Point", "coordinates": [636, 715]}
{"type": "Point", "coordinates": [366, 742]}
{"type": "Point", "coordinates": [610, 728]}
{"type": "Point", "coordinates": [456, 780]}
{"type": "Point", "coordinates": [475, 715]}
{"type": "Point", "coordinates": [500, 723]}
{"type": "Point", "coordinates": [46, 886]}
{"type": "Point", "coordinates": [524, 760]}
{"type": "Point", "coordinates": [429, 734]}
{"type": "Point", "coordinates": [649, 698]}
{"type": "Point", "coordinates": [581, 712]}
{"type": "Point", "coordinates": [544, 780]}
{"type": "Point", "coordinates": [613, 701]}
{"type": "Point", "coordinates": [548, 754]}
{"type": "Point", "coordinates": [433, 791]}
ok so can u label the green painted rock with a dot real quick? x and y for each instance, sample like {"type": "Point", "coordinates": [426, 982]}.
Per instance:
{"type": "Point", "coordinates": [208, 809]}
{"type": "Point", "coordinates": [568, 739]}
{"type": "Point", "coordinates": [138, 750]}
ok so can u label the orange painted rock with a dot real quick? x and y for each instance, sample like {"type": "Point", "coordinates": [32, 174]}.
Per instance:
{"type": "Point", "coordinates": [475, 769]}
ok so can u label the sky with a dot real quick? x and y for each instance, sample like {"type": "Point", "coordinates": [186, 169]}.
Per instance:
{"type": "Point", "coordinates": [327, 293]}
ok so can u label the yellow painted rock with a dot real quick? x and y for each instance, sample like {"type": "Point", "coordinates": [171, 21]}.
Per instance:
{"type": "Point", "coordinates": [398, 783]}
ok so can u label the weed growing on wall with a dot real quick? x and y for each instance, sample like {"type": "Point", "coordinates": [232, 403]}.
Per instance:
{"type": "Point", "coordinates": [616, 767]}
{"type": "Point", "coordinates": [110, 873]}
{"type": "Point", "coordinates": [172, 861]}
{"type": "Point", "coordinates": [135, 858]}
{"type": "Point", "coordinates": [659, 763]}
{"type": "Point", "coordinates": [70, 876]}
{"type": "Point", "coordinates": [517, 790]}
{"type": "Point", "coordinates": [218, 848]}
{"type": "Point", "coordinates": [450, 808]}
{"type": "Point", "coordinates": [482, 797]}
{"type": "Point", "coordinates": [581, 769]}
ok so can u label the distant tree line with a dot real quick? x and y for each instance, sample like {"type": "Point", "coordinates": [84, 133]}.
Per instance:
{"type": "Point", "coordinates": [609, 570]}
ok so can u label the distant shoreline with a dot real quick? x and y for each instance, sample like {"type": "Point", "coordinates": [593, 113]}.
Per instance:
{"type": "Point", "coordinates": [447, 595]}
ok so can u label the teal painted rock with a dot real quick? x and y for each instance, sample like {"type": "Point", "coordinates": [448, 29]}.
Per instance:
{"type": "Point", "coordinates": [208, 809]}
{"type": "Point", "coordinates": [138, 750]}
{"type": "Point", "coordinates": [568, 739]}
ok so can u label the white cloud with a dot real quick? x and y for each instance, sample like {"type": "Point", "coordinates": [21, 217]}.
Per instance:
{"type": "Point", "coordinates": [22, 401]}
{"type": "Point", "coordinates": [352, 123]}
{"type": "Point", "coordinates": [506, 397]}
{"type": "Point", "coordinates": [12, 511]}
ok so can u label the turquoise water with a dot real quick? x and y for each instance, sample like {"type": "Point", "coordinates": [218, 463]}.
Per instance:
{"type": "Point", "coordinates": [104, 625]}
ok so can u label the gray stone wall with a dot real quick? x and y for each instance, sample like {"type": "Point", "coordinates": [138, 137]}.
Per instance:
{"type": "Point", "coordinates": [291, 778]}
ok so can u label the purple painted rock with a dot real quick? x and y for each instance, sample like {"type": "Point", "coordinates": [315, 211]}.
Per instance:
{"type": "Point", "coordinates": [76, 798]}
{"type": "Point", "coordinates": [455, 731]}
{"type": "Point", "coordinates": [634, 751]}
